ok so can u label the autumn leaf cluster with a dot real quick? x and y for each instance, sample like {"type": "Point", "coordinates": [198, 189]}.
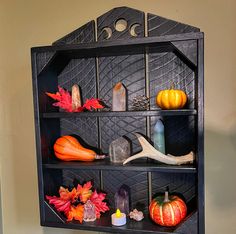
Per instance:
{"type": "Point", "coordinates": [71, 203]}
{"type": "Point", "coordinates": [64, 101]}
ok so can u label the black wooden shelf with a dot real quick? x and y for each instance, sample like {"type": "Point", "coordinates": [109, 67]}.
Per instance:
{"type": "Point", "coordinates": [138, 165]}
{"type": "Point", "coordinates": [63, 54]}
{"type": "Point", "coordinates": [104, 225]}
{"type": "Point", "coordinates": [170, 52]}
{"type": "Point", "coordinates": [120, 113]}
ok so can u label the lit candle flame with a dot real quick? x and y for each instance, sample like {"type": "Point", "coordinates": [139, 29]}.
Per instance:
{"type": "Point", "coordinates": [118, 213]}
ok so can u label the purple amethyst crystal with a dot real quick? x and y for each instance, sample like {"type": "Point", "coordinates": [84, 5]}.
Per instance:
{"type": "Point", "coordinates": [122, 199]}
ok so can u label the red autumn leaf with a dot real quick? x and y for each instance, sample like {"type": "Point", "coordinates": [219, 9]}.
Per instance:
{"type": "Point", "coordinates": [76, 212]}
{"type": "Point", "coordinates": [79, 109]}
{"type": "Point", "coordinates": [97, 200]}
{"type": "Point", "coordinates": [63, 203]}
{"type": "Point", "coordinates": [84, 191]}
{"type": "Point", "coordinates": [64, 99]}
{"type": "Point", "coordinates": [93, 103]}
{"type": "Point", "coordinates": [60, 204]}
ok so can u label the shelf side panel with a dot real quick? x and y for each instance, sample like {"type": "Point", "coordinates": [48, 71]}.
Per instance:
{"type": "Point", "coordinates": [160, 26]}
{"type": "Point", "coordinates": [167, 70]}
{"type": "Point", "coordinates": [72, 177]}
{"type": "Point", "coordinates": [50, 131]}
{"type": "Point", "coordinates": [180, 134]}
{"type": "Point", "coordinates": [136, 181]}
{"type": "Point", "coordinates": [52, 215]}
{"type": "Point", "coordinates": [52, 182]}
{"type": "Point", "coordinates": [83, 73]}
{"type": "Point", "coordinates": [43, 59]}
{"type": "Point", "coordinates": [115, 127]}
{"type": "Point", "coordinates": [85, 129]}
{"type": "Point", "coordinates": [188, 49]}
{"type": "Point", "coordinates": [182, 184]}
{"type": "Point", "coordinates": [200, 137]}
{"type": "Point", "coordinates": [127, 69]}
{"type": "Point", "coordinates": [189, 226]}
{"type": "Point", "coordinates": [84, 34]}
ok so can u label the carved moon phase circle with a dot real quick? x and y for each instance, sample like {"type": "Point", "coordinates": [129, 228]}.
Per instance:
{"type": "Point", "coordinates": [106, 33]}
{"type": "Point", "coordinates": [121, 25]}
{"type": "Point", "coordinates": [133, 30]}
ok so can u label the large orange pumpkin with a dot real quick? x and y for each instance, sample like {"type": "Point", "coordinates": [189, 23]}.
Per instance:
{"type": "Point", "coordinates": [171, 99]}
{"type": "Point", "coordinates": [167, 210]}
{"type": "Point", "coordinates": [68, 148]}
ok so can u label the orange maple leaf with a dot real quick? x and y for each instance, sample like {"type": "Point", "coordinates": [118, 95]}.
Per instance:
{"type": "Point", "coordinates": [76, 212]}
{"type": "Point", "coordinates": [84, 192]}
{"type": "Point", "coordinates": [65, 194]}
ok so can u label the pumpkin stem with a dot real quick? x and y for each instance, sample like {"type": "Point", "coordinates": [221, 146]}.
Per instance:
{"type": "Point", "coordinates": [172, 85]}
{"type": "Point", "coordinates": [100, 156]}
{"type": "Point", "coordinates": [166, 199]}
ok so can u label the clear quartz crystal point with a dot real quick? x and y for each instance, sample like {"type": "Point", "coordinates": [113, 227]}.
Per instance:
{"type": "Point", "coordinates": [119, 150]}
{"type": "Point", "coordinates": [119, 97]}
{"type": "Point", "coordinates": [76, 97]}
{"type": "Point", "coordinates": [89, 212]}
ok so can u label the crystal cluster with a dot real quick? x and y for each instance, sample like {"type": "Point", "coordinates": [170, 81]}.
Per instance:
{"type": "Point", "coordinates": [136, 215]}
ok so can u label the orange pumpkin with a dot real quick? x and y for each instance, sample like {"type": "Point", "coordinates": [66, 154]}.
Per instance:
{"type": "Point", "coordinates": [68, 148]}
{"type": "Point", "coordinates": [171, 99]}
{"type": "Point", "coordinates": [167, 210]}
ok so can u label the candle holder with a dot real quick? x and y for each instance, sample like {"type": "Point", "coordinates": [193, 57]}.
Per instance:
{"type": "Point", "coordinates": [118, 218]}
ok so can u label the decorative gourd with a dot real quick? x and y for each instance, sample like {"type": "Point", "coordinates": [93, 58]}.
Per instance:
{"type": "Point", "coordinates": [68, 148]}
{"type": "Point", "coordinates": [171, 99]}
{"type": "Point", "coordinates": [167, 210]}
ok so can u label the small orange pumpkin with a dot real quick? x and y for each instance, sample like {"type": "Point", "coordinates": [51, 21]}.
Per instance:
{"type": "Point", "coordinates": [167, 210]}
{"type": "Point", "coordinates": [68, 148]}
{"type": "Point", "coordinates": [171, 99]}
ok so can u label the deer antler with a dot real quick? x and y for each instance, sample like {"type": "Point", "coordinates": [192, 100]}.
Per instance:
{"type": "Point", "coordinates": [150, 152]}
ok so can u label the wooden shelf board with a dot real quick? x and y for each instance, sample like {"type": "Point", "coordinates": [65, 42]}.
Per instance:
{"type": "Point", "coordinates": [104, 225]}
{"type": "Point", "coordinates": [138, 165]}
{"type": "Point", "coordinates": [120, 113]}
{"type": "Point", "coordinates": [154, 41]}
